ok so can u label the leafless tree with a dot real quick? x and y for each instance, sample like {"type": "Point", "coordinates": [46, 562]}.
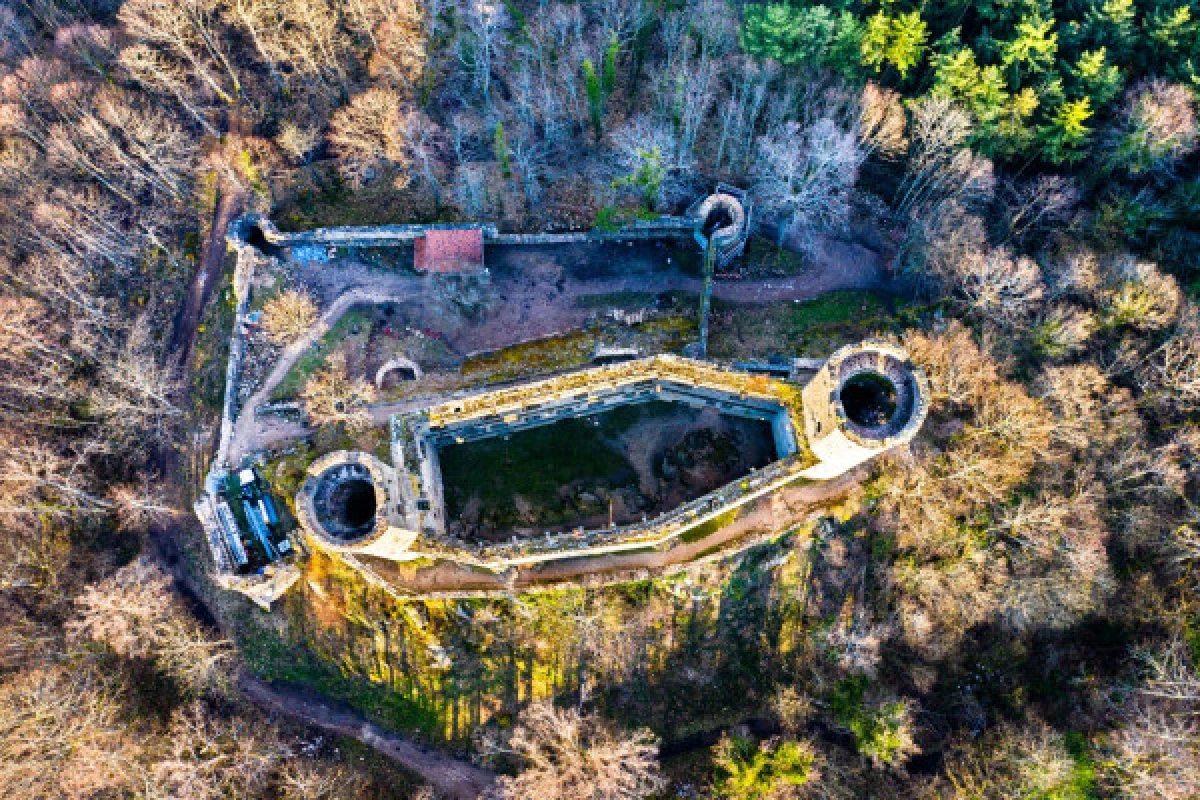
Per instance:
{"type": "Point", "coordinates": [1138, 294]}
{"type": "Point", "coordinates": [1009, 761]}
{"type": "Point", "coordinates": [1032, 208]}
{"type": "Point", "coordinates": [288, 315]}
{"type": "Point", "coordinates": [882, 124]}
{"type": "Point", "coordinates": [529, 160]}
{"type": "Point", "coordinates": [62, 734]}
{"type": "Point", "coordinates": [137, 614]}
{"type": "Point", "coordinates": [369, 134]}
{"type": "Point", "coordinates": [331, 396]}
{"type": "Point", "coordinates": [470, 189]}
{"type": "Point", "coordinates": [565, 754]}
{"type": "Point", "coordinates": [1154, 753]}
{"type": "Point", "coordinates": [482, 43]}
{"type": "Point", "coordinates": [1155, 129]}
{"type": "Point", "coordinates": [135, 396]}
{"type": "Point", "coordinates": [750, 85]}
{"type": "Point", "coordinates": [398, 29]}
{"type": "Point", "coordinates": [188, 33]}
{"type": "Point", "coordinates": [208, 757]}
{"type": "Point", "coordinates": [804, 175]}
{"type": "Point", "coordinates": [426, 145]}
{"type": "Point", "coordinates": [997, 284]}
{"type": "Point", "coordinates": [1172, 370]}
{"type": "Point", "coordinates": [940, 165]}
{"type": "Point", "coordinates": [298, 141]}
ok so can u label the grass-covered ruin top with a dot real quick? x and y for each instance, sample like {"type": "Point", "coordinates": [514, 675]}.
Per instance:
{"type": "Point", "coordinates": [619, 466]}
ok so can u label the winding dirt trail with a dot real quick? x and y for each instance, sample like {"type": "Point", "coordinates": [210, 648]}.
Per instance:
{"type": "Point", "coordinates": [230, 202]}
{"type": "Point", "coordinates": [453, 778]}
{"type": "Point", "coordinates": [248, 430]}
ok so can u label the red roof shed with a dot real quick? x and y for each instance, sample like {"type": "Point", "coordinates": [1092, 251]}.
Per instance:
{"type": "Point", "coordinates": [449, 250]}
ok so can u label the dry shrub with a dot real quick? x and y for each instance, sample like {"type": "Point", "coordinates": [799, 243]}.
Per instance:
{"type": "Point", "coordinates": [1011, 761]}
{"type": "Point", "coordinates": [288, 315]}
{"type": "Point", "coordinates": [332, 397]}
{"type": "Point", "coordinates": [1001, 517]}
{"type": "Point", "coordinates": [206, 757]}
{"type": "Point", "coordinates": [62, 734]}
{"type": "Point", "coordinates": [1156, 752]}
{"type": "Point", "coordinates": [1171, 374]}
{"type": "Point", "coordinates": [368, 134]}
{"type": "Point", "coordinates": [999, 432]}
{"type": "Point", "coordinates": [1137, 294]}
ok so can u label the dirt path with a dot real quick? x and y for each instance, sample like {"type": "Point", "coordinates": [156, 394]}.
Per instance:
{"type": "Point", "coordinates": [454, 778]}
{"type": "Point", "coordinates": [247, 430]}
{"type": "Point", "coordinates": [229, 205]}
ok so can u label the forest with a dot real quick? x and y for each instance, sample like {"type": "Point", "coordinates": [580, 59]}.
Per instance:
{"type": "Point", "coordinates": [1007, 609]}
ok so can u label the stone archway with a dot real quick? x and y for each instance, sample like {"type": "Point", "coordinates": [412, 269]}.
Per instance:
{"type": "Point", "coordinates": [409, 370]}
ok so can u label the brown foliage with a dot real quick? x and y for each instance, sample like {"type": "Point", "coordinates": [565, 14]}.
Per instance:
{"type": "Point", "coordinates": [331, 396]}
{"type": "Point", "coordinates": [136, 613]}
{"type": "Point", "coordinates": [565, 754]}
{"type": "Point", "coordinates": [288, 315]}
{"type": "Point", "coordinates": [369, 134]}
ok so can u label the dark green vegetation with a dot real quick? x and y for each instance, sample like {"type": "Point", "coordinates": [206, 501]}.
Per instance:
{"type": "Point", "coordinates": [1045, 84]}
{"type": "Point", "coordinates": [810, 328]}
{"type": "Point", "coordinates": [583, 471]}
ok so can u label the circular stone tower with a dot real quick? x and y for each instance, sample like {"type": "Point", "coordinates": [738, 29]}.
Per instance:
{"type": "Point", "coordinates": [866, 399]}
{"type": "Point", "coordinates": [349, 503]}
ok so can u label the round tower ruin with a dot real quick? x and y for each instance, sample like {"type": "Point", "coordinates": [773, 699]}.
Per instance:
{"type": "Point", "coordinates": [866, 399]}
{"type": "Point", "coordinates": [349, 503]}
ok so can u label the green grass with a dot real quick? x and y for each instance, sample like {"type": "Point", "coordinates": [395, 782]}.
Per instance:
{"type": "Point", "coordinates": [273, 659]}
{"type": "Point", "coordinates": [533, 464]}
{"type": "Point", "coordinates": [1083, 783]}
{"type": "Point", "coordinates": [815, 327]}
{"type": "Point", "coordinates": [210, 351]}
{"type": "Point", "coordinates": [705, 529]}
{"type": "Point", "coordinates": [762, 255]}
{"type": "Point", "coordinates": [574, 349]}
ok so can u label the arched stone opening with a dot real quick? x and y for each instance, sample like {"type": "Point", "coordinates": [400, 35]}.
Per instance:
{"type": "Point", "coordinates": [396, 371]}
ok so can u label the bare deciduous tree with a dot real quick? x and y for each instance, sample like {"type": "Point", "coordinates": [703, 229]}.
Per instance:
{"type": "Point", "coordinates": [187, 32]}
{"type": "Point", "coordinates": [881, 123]}
{"type": "Point", "coordinates": [804, 176]}
{"type": "Point", "coordinates": [368, 134]}
{"type": "Point", "coordinates": [940, 165]}
{"type": "Point", "coordinates": [568, 755]}
{"type": "Point", "coordinates": [62, 735]}
{"type": "Point", "coordinates": [331, 396]}
{"type": "Point", "coordinates": [288, 315]}
{"type": "Point", "coordinates": [1155, 129]}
